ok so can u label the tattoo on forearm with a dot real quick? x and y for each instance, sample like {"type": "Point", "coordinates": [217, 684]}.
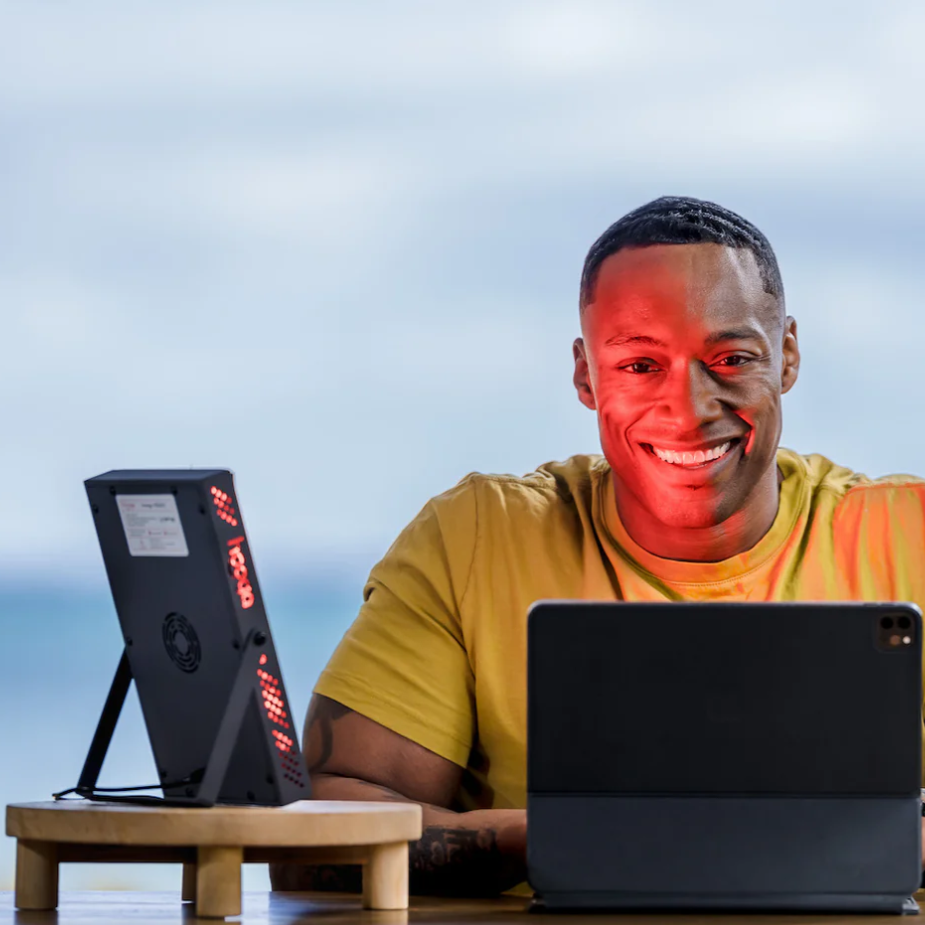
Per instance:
{"type": "Point", "coordinates": [444, 862]}
{"type": "Point", "coordinates": [322, 714]}
{"type": "Point", "coordinates": [457, 862]}
{"type": "Point", "coordinates": [447, 860]}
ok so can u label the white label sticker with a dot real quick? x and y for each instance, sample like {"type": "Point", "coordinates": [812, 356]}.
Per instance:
{"type": "Point", "coordinates": [152, 525]}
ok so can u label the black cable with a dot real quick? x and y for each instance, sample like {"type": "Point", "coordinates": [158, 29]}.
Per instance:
{"type": "Point", "coordinates": [89, 793]}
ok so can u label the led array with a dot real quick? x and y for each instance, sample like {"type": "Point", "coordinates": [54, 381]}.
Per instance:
{"type": "Point", "coordinates": [272, 699]}
{"type": "Point", "coordinates": [225, 510]}
{"type": "Point", "coordinates": [291, 769]}
{"type": "Point", "coordinates": [283, 742]}
{"type": "Point", "coordinates": [276, 709]}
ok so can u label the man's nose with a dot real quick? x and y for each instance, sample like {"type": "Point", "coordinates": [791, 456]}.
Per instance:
{"type": "Point", "coordinates": [690, 398]}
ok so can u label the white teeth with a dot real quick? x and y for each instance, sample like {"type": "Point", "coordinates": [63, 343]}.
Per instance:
{"type": "Point", "coordinates": [696, 458]}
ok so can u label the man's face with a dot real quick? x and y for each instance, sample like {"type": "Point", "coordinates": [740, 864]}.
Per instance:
{"type": "Point", "coordinates": [685, 357]}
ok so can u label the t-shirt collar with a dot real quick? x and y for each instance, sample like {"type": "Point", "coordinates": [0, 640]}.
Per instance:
{"type": "Point", "coordinates": [793, 489]}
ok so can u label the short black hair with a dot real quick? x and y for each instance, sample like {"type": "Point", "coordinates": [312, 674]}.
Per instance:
{"type": "Point", "coordinates": [681, 220]}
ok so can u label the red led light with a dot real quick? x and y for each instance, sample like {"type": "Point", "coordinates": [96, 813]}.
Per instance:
{"type": "Point", "coordinates": [263, 659]}
{"type": "Point", "coordinates": [226, 512]}
{"type": "Point", "coordinates": [237, 565]}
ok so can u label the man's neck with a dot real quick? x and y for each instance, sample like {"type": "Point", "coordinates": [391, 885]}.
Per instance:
{"type": "Point", "coordinates": [737, 534]}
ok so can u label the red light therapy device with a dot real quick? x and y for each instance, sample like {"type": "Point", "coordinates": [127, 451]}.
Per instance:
{"type": "Point", "coordinates": [197, 641]}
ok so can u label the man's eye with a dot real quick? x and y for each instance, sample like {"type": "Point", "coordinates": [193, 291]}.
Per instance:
{"type": "Point", "coordinates": [639, 367]}
{"type": "Point", "coordinates": [734, 361]}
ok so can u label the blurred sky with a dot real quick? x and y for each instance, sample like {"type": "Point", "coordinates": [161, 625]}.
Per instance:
{"type": "Point", "coordinates": [336, 247]}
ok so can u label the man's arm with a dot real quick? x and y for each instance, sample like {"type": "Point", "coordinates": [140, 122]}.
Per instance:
{"type": "Point", "coordinates": [350, 757]}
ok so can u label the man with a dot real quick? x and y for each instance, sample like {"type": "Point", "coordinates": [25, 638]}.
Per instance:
{"type": "Point", "coordinates": [686, 350]}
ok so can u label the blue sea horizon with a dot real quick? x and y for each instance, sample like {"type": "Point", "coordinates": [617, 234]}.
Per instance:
{"type": "Point", "coordinates": [63, 645]}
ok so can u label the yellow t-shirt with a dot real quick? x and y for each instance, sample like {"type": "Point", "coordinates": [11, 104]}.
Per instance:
{"type": "Point", "coordinates": [438, 650]}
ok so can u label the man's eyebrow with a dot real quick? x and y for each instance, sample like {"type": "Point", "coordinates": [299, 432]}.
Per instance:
{"type": "Point", "coordinates": [736, 334]}
{"type": "Point", "coordinates": [622, 340]}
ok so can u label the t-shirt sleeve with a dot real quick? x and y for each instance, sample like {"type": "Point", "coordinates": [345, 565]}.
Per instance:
{"type": "Point", "coordinates": [403, 663]}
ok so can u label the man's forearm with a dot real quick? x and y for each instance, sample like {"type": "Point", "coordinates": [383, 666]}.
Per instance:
{"type": "Point", "coordinates": [478, 853]}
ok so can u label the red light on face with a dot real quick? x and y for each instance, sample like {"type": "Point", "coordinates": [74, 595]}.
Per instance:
{"type": "Point", "coordinates": [263, 659]}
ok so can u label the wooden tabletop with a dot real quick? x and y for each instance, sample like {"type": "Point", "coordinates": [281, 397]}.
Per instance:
{"type": "Point", "coordinates": [117, 908]}
{"type": "Point", "coordinates": [306, 822]}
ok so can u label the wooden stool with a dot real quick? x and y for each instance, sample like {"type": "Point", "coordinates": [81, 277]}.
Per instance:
{"type": "Point", "coordinates": [212, 843]}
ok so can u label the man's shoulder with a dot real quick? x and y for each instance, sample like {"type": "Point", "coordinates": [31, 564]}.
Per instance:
{"type": "Point", "coordinates": [849, 486]}
{"type": "Point", "coordinates": [568, 482]}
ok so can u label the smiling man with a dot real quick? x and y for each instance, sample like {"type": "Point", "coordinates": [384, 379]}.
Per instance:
{"type": "Point", "coordinates": [686, 350]}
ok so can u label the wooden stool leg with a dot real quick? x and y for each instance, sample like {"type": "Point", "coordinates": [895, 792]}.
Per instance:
{"type": "Point", "coordinates": [218, 881]}
{"type": "Point", "coordinates": [188, 893]}
{"type": "Point", "coordinates": [36, 875]}
{"type": "Point", "coordinates": [385, 877]}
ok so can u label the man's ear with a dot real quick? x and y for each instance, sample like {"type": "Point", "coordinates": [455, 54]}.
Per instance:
{"type": "Point", "coordinates": [791, 356]}
{"type": "Point", "coordinates": [582, 376]}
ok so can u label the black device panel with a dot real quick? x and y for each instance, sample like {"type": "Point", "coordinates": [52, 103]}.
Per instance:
{"type": "Point", "coordinates": [663, 698]}
{"type": "Point", "coordinates": [189, 607]}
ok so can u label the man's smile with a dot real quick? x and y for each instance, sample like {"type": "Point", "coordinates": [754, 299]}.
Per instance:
{"type": "Point", "coordinates": [705, 456]}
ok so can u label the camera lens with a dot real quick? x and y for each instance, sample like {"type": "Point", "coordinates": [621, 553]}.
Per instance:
{"type": "Point", "coordinates": [887, 623]}
{"type": "Point", "coordinates": [904, 623]}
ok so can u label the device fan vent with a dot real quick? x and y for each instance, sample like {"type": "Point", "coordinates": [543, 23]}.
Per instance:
{"type": "Point", "coordinates": [181, 642]}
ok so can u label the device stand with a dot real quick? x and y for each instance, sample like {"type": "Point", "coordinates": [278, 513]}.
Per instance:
{"type": "Point", "coordinates": [227, 736]}
{"type": "Point", "coordinates": [210, 778]}
{"type": "Point", "coordinates": [90, 774]}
